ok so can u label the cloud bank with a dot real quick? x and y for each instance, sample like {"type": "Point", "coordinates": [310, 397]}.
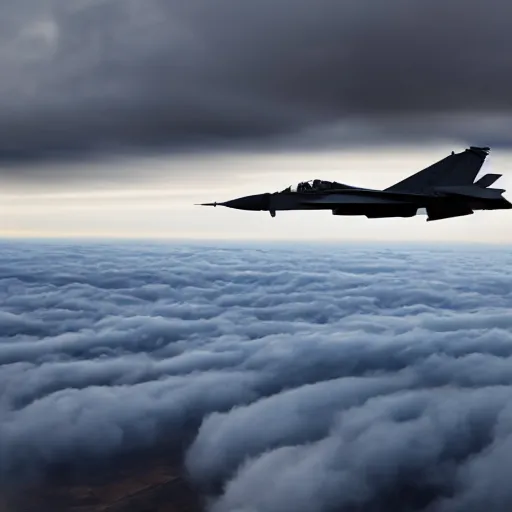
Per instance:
{"type": "Point", "coordinates": [108, 76]}
{"type": "Point", "coordinates": [307, 379]}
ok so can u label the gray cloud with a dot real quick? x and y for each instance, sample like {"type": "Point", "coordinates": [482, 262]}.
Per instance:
{"type": "Point", "coordinates": [88, 77]}
{"type": "Point", "coordinates": [304, 379]}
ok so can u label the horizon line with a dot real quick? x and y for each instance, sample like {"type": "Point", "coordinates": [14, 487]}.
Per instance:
{"type": "Point", "coordinates": [223, 240]}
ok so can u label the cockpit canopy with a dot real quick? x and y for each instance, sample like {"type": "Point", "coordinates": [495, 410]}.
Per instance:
{"type": "Point", "coordinates": [316, 185]}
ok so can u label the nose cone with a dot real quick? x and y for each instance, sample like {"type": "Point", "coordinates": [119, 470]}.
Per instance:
{"type": "Point", "coordinates": [255, 203]}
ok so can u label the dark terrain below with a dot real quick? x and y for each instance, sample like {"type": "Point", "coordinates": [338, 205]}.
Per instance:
{"type": "Point", "coordinates": [150, 486]}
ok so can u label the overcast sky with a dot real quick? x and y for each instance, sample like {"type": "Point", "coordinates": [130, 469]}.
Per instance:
{"type": "Point", "coordinates": [135, 109]}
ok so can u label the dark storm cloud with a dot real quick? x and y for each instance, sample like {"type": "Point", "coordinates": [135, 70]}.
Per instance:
{"type": "Point", "coordinates": [84, 77]}
{"type": "Point", "coordinates": [308, 379]}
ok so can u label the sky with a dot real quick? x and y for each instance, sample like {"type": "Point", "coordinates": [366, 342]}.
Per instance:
{"type": "Point", "coordinates": [325, 378]}
{"type": "Point", "coordinates": [116, 116]}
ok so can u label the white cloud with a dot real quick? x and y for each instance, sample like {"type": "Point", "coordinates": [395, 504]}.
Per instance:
{"type": "Point", "coordinates": [308, 377]}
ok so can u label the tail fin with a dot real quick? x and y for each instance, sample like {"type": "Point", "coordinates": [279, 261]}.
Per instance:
{"type": "Point", "coordinates": [456, 169]}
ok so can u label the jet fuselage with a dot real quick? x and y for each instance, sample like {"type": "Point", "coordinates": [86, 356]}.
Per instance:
{"type": "Point", "coordinates": [444, 190]}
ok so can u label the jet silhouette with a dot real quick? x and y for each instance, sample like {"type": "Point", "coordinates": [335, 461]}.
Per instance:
{"type": "Point", "coordinates": [445, 189]}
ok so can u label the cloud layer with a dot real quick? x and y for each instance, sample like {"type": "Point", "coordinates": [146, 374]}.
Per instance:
{"type": "Point", "coordinates": [296, 379]}
{"type": "Point", "coordinates": [117, 76]}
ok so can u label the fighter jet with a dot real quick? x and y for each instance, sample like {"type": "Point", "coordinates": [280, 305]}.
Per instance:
{"type": "Point", "coordinates": [444, 190]}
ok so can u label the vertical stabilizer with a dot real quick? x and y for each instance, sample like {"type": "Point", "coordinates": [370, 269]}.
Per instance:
{"type": "Point", "coordinates": [456, 169]}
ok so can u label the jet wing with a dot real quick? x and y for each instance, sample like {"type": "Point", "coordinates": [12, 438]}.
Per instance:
{"type": "Point", "coordinates": [471, 191]}
{"type": "Point", "coordinates": [361, 198]}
